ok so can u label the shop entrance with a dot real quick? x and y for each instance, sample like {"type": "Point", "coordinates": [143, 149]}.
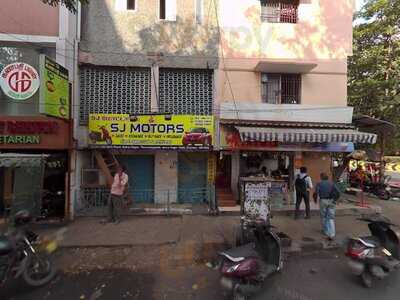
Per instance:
{"type": "Point", "coordinates": [192, 177]}
{"type": "Point", "coordinates": [140, 169]}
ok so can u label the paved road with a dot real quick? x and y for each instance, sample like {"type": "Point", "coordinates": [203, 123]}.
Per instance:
{"type": "Point", "coordinates": [325, 276]}
{"type": "Point", "coordinates": [310, 277]}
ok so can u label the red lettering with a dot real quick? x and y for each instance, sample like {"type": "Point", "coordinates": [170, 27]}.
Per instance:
{"type": "Point", "coordinates": [29, 127]}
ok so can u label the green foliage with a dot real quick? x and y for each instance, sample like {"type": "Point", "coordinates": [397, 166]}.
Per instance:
{"type": "Point", "coordinates": [374, 68]}
{"type": "Point", "coordinates": [70, 4]}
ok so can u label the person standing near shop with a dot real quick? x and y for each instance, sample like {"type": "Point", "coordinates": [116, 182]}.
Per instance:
{"type": "Point", "coordinates": [117, 193]}
{"type": "Point", "coordinates": [328, 194]}
{"type": "Point", "coordinates": [303, 185]}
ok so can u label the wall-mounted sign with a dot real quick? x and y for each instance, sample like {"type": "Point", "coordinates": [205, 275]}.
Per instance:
{"type": "Point", "coordinates": [19, 139]}
{"type": "Point", "coordinates": [19, 81]}
{"type": "Point", "coordinates": [154, 130]}
{"type": "Point", "coordinates": [54, 89]}
{"type": "Point", "coordinates": [37, 132]}
{"type": "Point", "coordinates": [13, 127]}
{"type": "Point", "coordinates": [14, 132]}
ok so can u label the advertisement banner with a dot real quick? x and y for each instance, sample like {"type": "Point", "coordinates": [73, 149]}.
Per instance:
{"type": "Point", "coordinates": [54, 89]}
{"type": "Point", "coordinates": [151, 130]}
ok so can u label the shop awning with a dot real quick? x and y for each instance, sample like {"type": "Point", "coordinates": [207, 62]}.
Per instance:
{"type": "Point", "coordinates": [13, 160]}
{"type": "Point", "coordinates": [306, 135]}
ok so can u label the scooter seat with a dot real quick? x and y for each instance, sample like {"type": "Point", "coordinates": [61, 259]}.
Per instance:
{"type": "Point", "coordinates": [233, 259]}
{"type": "Point", "coordinates": [238, 254]}
{"type": "Point", "coordinates": [370, 241]}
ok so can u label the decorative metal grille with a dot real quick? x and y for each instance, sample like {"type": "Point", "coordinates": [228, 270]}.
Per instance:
{"type": "Point", "coordinates": [186, 91]}
{"type": "Point", "coordinates": [112, 90]}
{"type": "Point", "coordinates": [281, 88]}
{"type": "Point", "coordinates": [279, 11]}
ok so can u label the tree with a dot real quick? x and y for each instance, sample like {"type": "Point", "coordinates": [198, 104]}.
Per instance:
{"type": "Point", "coordinates": [374, 68]}
{"type": "Point", "coordinates": [70, 4]}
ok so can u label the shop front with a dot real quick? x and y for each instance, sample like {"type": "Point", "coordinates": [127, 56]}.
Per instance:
{"type": "Point", "coordinates": [276, 151]}
{"type": "Point", "coordinates": [167, 157]}
{"type": "Point", "coordinates": [24, 137]}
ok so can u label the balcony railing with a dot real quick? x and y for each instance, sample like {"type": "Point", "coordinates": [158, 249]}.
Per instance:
{"type": "Point", "coordinates": [279, 13]}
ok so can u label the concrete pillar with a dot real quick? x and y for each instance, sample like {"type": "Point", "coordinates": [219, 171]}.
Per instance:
{"type": "Point", "coordinates": [166, 176]}
{"type": "Point", "coordinates": [155, 88]}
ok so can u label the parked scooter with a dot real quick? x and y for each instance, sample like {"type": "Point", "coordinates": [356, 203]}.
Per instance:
{"type": "Point", "coordinates": [377, 255]}
{"type": "Point", "coordinates": [245, 268]}
{"type": "Point", "coordinates": [22, 254]}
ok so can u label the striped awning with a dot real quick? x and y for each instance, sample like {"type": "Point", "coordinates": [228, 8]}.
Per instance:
{"type": "Point", "coordinates": [306, 135]}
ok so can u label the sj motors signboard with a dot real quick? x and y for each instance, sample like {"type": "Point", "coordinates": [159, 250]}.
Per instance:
{"type": "Point", "coordinates": [122, 130]}
{"type": "Point", "coordinates": [19, 81]}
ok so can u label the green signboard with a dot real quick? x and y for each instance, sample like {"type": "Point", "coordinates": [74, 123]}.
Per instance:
{"type": "Point", "coordinates": [54, 89]}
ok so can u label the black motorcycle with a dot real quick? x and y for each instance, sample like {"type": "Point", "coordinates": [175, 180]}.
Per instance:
{"type": "Point", "coordinates": [377, 255]}
{"type": "Point", "coordinates": [244, 269]}
{"type": "Point", "coordinates": [23, 254]}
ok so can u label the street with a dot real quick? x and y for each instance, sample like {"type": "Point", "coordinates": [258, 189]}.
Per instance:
{"type": "Point", "coordinates": [312, 276]}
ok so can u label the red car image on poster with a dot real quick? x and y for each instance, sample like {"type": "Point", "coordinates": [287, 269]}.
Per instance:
{"type": "Point", "coordinates": [197, 136]}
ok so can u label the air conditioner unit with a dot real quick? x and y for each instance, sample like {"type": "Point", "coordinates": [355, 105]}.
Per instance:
{"type": "Point", "coordinates": [90, 177]}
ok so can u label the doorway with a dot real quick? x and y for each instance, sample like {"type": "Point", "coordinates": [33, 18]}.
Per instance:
{"type": "Point", "coordinates": [224, 172]}
{"type": "Point", "coordinates": [140, 169]}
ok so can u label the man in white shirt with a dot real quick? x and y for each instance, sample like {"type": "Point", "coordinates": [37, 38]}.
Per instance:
{"type": "Point", "coordinates": [118, 190]}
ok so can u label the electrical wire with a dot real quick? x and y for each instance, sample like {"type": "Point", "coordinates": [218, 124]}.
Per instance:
{"type": "Point", "coordinates": [223, 58]}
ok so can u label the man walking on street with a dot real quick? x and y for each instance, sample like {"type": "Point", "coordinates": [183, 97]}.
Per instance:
{"type": "Point", "coordinates": [118, 190]}
{"type": "Point", "coordinates": [328, 194]}
{"type": "Point", "coordinates": [303, 186]}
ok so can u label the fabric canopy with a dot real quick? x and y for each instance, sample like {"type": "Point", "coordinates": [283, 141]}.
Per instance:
{"type": "Point", "coordinates": [305, 135]}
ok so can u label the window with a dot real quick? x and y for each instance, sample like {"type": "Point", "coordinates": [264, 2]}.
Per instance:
{"type": "Point", "coordinates": [280, 88]}
{"type": "Point", "coordinates": [199, 11]}
{"type": "Point", "coordinates": [162, 9]}
{"type": "Point", "coordinates": [279, 11]}
{"type": "Point", "coordinates": [130, 5]}
{"type": "Point", "coordinates": [124, 5]}
{"type": "Point", "coordinates": [168, 10]}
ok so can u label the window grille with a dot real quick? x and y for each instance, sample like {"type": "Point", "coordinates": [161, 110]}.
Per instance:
{"type": "Point", "coordinates": [281, 88]}
{"type": "Point", "coordinates": [186, 91]}
{"type": "Point", "coordinates": [280, 11]}
{"type": "Point", "coordinates": [114, 90]}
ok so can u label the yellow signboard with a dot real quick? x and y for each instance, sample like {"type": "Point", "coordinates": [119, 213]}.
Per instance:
{"type": "Point", "coordinates": [151, 130]}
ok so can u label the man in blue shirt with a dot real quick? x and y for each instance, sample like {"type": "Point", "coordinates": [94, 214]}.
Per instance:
{"type": "Point", "coordinates": [328, 194]}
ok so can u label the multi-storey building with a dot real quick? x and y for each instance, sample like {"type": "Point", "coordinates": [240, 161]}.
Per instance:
{"type": "Point", "coordinates": [30, 123]}
{"type": "Point", "coordinates": [282, 88]}
{"type": "Point", "coordinates": [271, 73]}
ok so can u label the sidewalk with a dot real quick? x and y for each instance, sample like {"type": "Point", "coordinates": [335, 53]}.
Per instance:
{"type": "Point", "coordinates": [199, 237]}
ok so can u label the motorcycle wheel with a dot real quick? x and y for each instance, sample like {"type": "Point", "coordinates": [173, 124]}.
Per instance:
{"type": "Point", "coordinates": [39, 270]}
{"type": "Point", "coordinates": [366, 278]}
{"type": "Point", "coordinates": [237, 295]}
{"type": "Point", "coordinates": [385, 195]}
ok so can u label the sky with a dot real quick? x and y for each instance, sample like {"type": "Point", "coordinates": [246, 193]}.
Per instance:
{"type": "Point", "coordinates": [359, 3]}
